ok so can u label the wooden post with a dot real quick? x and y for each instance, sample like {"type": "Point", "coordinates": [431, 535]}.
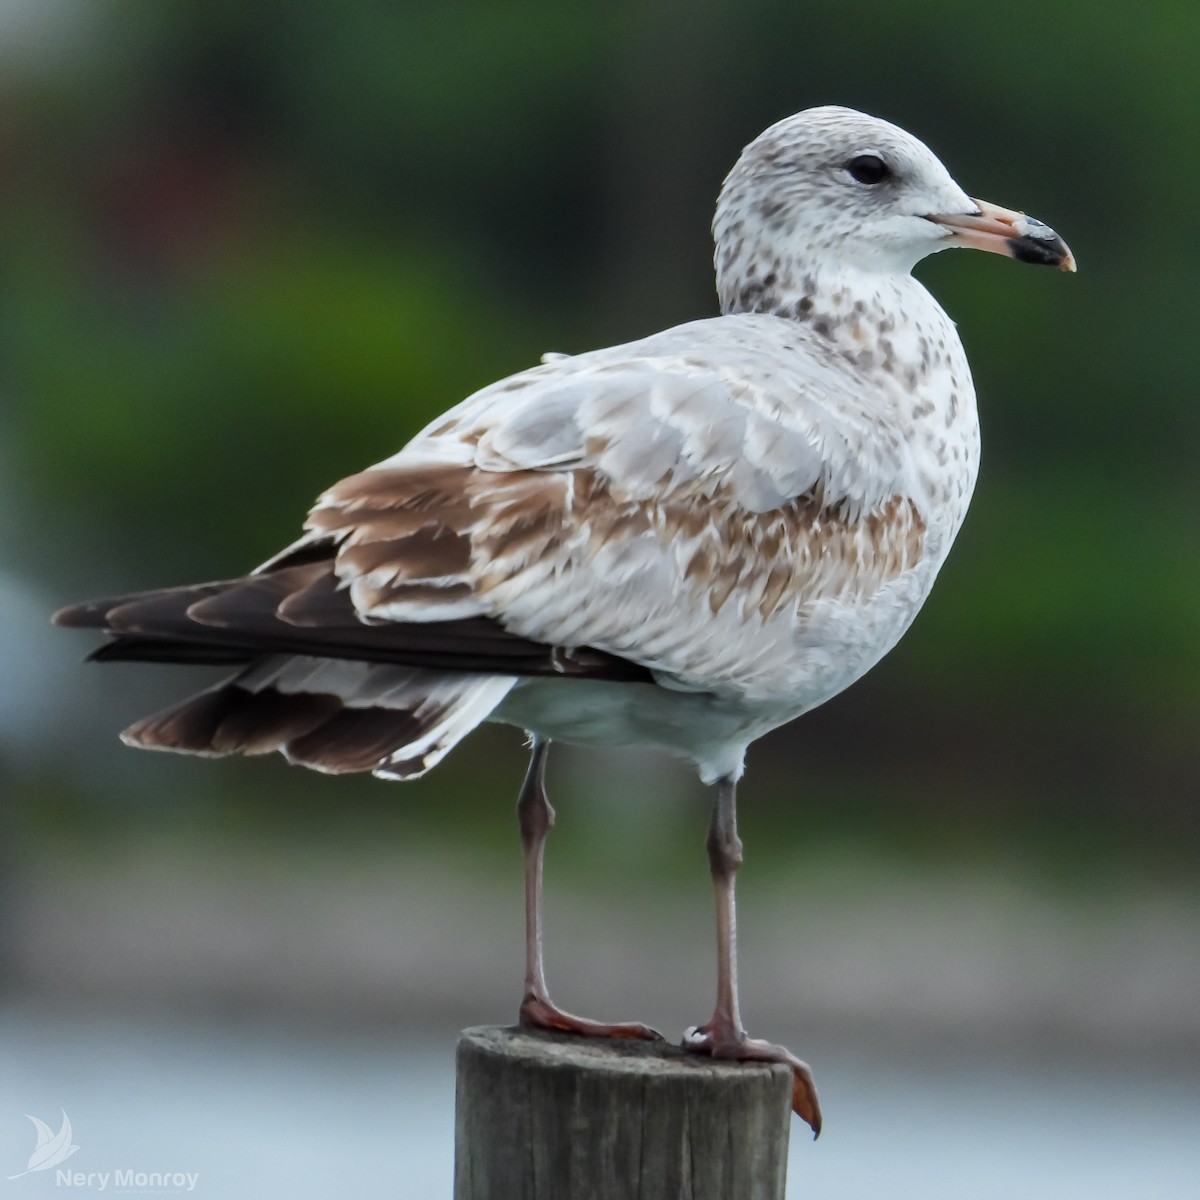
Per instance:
{"type": "Point", "coordinates": [567, 1118]}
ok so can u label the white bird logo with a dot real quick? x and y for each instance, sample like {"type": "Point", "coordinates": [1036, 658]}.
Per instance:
{"type": "Point", "coordinates": [51, 1149]}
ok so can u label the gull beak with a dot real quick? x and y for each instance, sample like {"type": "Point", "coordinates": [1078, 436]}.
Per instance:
{"type": "Point", "coordinates": [1006, 232]}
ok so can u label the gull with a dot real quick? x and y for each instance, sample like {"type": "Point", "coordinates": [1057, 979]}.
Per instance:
{"type": "Point", "coordinates": [682, 542]}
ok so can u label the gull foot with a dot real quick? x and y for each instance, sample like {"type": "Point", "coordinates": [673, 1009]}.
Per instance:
{"type": "Point", "coordinates": [719, 1042]}
{"type": "Point", "coordinates": [537, 1012]}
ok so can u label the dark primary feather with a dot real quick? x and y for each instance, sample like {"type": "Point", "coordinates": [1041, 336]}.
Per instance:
{"type": "Point", "coordinates": [294, 608]}
{"type": "Point", "coordinates": [297, 608]}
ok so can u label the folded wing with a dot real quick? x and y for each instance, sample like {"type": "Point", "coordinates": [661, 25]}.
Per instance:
{"type": "Point", "coordinates": [637, 515]}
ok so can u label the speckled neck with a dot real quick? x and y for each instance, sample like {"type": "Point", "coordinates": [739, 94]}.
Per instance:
{"type": "Point", "coordinates": [856, 312]}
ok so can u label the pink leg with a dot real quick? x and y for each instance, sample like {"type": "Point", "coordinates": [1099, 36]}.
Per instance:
{"type": "Point", "coordinates": [536, 817]}
{"type": "Point", "coordinates": [723, 1036]}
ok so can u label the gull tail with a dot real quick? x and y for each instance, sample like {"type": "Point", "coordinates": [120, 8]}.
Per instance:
{"type": "Point", "coordinates": [319, 682]}
{"type": "Point", "coordinates": [330, 715]}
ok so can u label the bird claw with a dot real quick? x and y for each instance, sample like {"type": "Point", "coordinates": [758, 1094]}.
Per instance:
{"type": "Point", "coordinates": [538, 1012]}
{"type": "Point", "coordinates": [735, 1045]}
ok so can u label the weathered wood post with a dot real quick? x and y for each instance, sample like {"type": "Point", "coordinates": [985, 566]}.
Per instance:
{"type": "Point", "coordinates": [568, 1118]}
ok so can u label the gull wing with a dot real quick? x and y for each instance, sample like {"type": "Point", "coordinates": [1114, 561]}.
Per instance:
{"type": "Point", "coordinates": [640, 501]}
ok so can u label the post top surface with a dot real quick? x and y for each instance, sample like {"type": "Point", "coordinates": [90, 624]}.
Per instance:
{"type": "Point", "coordinates": [618, 1056]}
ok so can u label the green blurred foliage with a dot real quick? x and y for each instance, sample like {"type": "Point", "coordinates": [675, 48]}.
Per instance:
{"type": "Point", "coordinates": [246, 248]}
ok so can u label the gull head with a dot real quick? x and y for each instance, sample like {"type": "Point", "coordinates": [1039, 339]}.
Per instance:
{"type": "Point", "coordinates": [834, 189]}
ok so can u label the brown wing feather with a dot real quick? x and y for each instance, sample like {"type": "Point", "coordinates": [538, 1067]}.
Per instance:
{"type": "Point", "coordinates": [402, 531]}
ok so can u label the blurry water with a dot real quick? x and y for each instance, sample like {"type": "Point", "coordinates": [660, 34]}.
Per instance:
{"type": "Point", "coordinates": [262, 1113]}
{"type": "Point", "coordinates": [979, 1131]}
{"type": "Point", "coordinates": [257, 1114]}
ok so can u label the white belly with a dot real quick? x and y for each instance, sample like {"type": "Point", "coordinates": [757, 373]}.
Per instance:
{"type": "Point", "coordinates": [712, 732]}
{"type": "Point", "coordinates": [808, 663]}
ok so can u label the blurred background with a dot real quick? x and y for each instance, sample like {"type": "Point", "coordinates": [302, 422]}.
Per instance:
{"type": "Point", "coordinates": [248, 248]}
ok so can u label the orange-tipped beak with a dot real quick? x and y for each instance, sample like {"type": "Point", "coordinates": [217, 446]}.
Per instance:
{"type": "Point", "coordinates": [1003, 231]}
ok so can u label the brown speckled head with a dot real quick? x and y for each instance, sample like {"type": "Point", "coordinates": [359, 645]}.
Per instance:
{"type": "Point", "coordinates": [829, 188]}
{"type": "Point", "coordinates": [832, 191]}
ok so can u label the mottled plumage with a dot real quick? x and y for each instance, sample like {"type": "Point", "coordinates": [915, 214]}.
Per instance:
{"type": "Point", "coordinates": [681, 542]}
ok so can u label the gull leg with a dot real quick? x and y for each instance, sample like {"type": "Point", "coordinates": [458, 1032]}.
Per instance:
{"type": "Point", "coordinates": [723, 1036]}
{"type": "Point", "coordinates": [536, 816]}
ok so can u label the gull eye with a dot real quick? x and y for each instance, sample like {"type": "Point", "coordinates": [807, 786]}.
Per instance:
{"type": "Point", "coordinates": [868, 168]}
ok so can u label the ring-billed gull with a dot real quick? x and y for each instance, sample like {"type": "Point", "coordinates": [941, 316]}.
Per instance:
{"type": "Point", "coordinates": [682, 542]}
